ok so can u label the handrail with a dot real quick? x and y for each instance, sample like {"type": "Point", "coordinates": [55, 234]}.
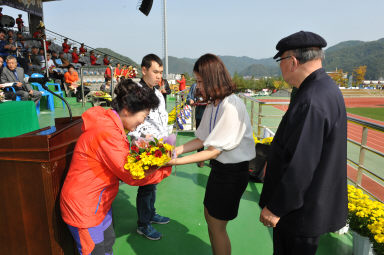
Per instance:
{"type": "Point", "coordinates": [89, 47]}
{"type": "Point", "coordinates": [361, 169]}
{"type": "Point", "coordinates": [367, 124]}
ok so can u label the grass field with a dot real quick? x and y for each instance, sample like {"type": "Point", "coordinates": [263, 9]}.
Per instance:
{"type": "Point", "coordinates": [373, 113]}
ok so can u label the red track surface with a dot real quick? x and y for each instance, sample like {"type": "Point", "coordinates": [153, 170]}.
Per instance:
{"type": "Point", "coordinates": [375, 139]}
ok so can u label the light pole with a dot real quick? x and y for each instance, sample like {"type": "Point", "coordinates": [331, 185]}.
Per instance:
{"type": "Point", "coordinates": [165, 38]}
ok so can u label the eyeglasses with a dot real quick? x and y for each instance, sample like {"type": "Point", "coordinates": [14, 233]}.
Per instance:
{"type": "Point", "coordinates": [278, 60]}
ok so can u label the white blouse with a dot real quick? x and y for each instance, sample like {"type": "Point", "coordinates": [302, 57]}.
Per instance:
{"type": "Point", "coordinates": [156, 123]}
{"type": "Point", "coordinates": [227, 128]}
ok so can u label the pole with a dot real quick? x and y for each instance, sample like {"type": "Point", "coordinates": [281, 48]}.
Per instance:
{"type": "Point", "coordinates": [165, 38]}
{"type": "Point", "coordinates": [45, 58]}
{"type": "Point", "coordinates": [82, 86]}
{"type": "Point", "coordinates": [112, 83]}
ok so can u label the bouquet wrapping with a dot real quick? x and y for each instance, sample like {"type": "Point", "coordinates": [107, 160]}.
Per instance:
{"type": "Point", "coordinates": [146, 159]}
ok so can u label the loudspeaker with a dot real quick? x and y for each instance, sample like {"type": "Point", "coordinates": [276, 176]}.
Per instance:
{"type": "Point", "coordinates": [7, 21]}
{"type": "Point", "coordinates": [146, 6]}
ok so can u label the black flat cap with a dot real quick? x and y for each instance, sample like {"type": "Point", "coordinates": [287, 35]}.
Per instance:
{"type": "Point", "coordinates": [299, 40]}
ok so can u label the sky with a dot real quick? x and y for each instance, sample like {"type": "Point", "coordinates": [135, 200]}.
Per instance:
{"type": "Point", "coordinates": [195, 27]}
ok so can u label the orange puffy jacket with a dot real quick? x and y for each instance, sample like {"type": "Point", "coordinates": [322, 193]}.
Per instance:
{"type": "Point", "coordinates": [92, 182]}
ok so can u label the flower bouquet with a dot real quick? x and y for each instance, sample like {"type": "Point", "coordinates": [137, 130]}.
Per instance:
{"type": "Point", "coordinates": [366, 217]}
{"type": "Point", "coordinates": [149, 155]}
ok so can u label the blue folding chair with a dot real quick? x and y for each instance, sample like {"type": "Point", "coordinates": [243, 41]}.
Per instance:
{"type": "Point", "coordinates": [14, 91]}
{"type": "Point", "coordinates": [37, 86]}
{"type": "Point", "coordinates": [58, 91]}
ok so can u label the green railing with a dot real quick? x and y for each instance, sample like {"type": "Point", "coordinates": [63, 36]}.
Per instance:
{"type": "Point", "coordinates": [376, 175]}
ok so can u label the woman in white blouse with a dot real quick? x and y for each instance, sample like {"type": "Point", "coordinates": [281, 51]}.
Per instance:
{"type": "Point", "coordinates": [226, 132]}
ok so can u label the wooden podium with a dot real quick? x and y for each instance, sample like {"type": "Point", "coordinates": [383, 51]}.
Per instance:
{"type": "Point", "coordinates": [33, 167]}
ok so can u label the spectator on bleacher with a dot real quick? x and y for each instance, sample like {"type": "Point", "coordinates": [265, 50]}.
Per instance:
{"type": "Point", "coordinates": [13, 48]}
{"type": "Point", "coordinates": [66, 46]}
{"type": "Point", "coordinates": [4, 45]}
{"type": "Point", "coordinates": [51, 64]}
{"type": "Point", "coordinates": [52, 69]}
{"type": "Point", "coordinates": [10, 34]}
{"type": "Point", "coordinates": [20, 41]}
{"type": "Point", "coordinates": [56, 59]}
{"type": "Point", "coordinates": [34, 61]}
{"type": "Point", "coordinates": [47, 42]}
{"type": "Point", "coordinates": [20, 23]}
{"type": "Point", "coordinates": [93, 58]}
{"type": "Point", "coordinates": [71, 79]}
{"type": "Point", "coordinates": [8, 94]}
{"type": "Point", "coordinates": [37, 34]}
{"type": "Point", "coordinates": [106, 60]}
{"type": "Point", "coordinates": [75, 58]}
{"type": "Point", "coordinates": [106, 87]}
{"type": "Point", "coordinates": [12, 73]}
{"type": "Point", "coordinates": [41, 55]}
{"type": "Point", "coordinates": [64, 60]}
{"type": "Point", "coordinates": [82, 49]}
{"type": "Point", "coordinates": [1, 15]}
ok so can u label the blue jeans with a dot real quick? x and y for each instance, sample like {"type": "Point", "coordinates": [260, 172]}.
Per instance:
{"type": "Point", "coordinates": [145, 204]}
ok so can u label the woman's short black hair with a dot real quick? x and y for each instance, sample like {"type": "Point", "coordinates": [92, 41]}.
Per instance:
{"type": "Point", "coordinates": [134, 97]}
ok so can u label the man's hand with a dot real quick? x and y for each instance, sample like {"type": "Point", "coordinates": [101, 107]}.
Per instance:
{"type": "Point", "coordinates": [268, 218]}
{"type": "Point", "coordinates": [191, 102]}
{"type": "Point", "coordinates": [19, 84]}
{"type": "Point", "coordinates": [30, 92]}
{"type": "Point", "coordinates": [2, 86]}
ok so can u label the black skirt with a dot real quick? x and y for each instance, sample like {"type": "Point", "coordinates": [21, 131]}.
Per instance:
{"type": "Point", "coordinates": [226, 184]}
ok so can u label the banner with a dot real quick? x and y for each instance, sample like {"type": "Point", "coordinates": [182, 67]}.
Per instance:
{"type": "Point", "coordinates": [31, 6]}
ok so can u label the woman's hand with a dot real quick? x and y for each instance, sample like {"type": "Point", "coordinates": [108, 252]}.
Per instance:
{"type": "Point", "coordinates": [172, 162]}
{"type": "Point", "coordinates": [151, 170]}
{"type": "Point", "coordinates": [178, 150]}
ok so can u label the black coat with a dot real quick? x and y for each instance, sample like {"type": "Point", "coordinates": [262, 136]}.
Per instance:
{"type": "Point", "coordinates": [306, 176]}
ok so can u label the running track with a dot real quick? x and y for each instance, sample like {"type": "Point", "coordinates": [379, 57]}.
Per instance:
{"type": "Point", "coordinates": [375, 139]}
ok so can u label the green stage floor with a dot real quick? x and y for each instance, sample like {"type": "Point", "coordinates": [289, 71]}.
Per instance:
{"type": "Point", "coordinates": [180, 197]}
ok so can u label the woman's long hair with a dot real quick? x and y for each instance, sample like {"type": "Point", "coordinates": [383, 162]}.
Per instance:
{"type": "Point", "coordinates": [217, 82]}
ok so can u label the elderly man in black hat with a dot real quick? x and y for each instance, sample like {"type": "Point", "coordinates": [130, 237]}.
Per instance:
{"type": "Point", "coordinates": [305, 189]}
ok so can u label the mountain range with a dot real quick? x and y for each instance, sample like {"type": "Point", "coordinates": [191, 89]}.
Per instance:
{"type": "Point", "coordinates": [346, 55]}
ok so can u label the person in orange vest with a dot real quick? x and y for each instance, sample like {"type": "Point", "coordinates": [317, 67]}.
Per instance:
{"type": "Point", "coordinates": [71, 79]}
{"type": "Point", "coordinates": [182, 83]}
{"type": "Point", "coordinates": [97, 167]}
{"type": "Point", "coordinates": [20, 23]}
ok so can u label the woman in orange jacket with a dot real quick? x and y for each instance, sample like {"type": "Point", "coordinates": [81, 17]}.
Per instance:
{"type": "Point", "coordinates": [92, 182]}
